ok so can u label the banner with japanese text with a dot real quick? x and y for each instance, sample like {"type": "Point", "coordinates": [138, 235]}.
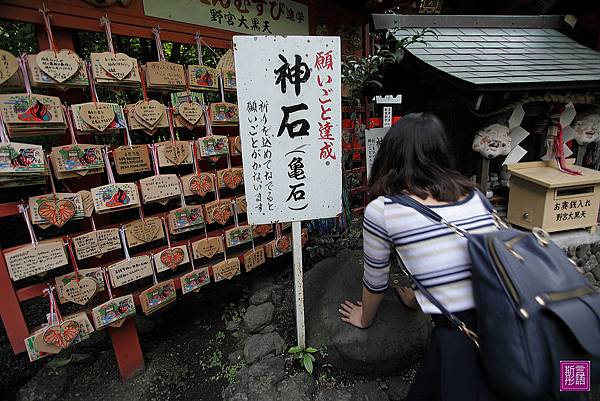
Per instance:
{"type": "Point", "coordinates": [289, 97]}
{"type": "Point", "coordinates": [257, 17]}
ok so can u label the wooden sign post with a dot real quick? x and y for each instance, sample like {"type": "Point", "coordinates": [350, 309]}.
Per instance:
{"type": "Point", "coordinates": [289, 96]}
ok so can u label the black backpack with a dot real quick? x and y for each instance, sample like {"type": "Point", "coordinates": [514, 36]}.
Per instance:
{"type": "Point", "coordinates": [533, 307]}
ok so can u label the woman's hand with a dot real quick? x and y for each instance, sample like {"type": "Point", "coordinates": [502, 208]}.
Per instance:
{"type": "Point", "coordinates": [353, 314]}
{"type": "Point", "coordinates": [408, 298]}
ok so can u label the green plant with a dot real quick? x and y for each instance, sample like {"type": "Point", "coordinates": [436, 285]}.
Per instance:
{"type": "Point", "coordinates": [233, 314]}
{"type": "Point", "coordinates": [229, 371]}
{"type": "Point", "coordinates": [304, 357]}
{"type": "Point", "coordinates": [363, 75]}
{"type": "Point", "coordinates": [212, 356]}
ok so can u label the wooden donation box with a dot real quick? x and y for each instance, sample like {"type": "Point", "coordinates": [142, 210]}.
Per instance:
{"type": "Point", "coordinates": [543, 196]}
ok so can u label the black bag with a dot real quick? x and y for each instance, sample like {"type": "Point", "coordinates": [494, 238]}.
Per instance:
{"type": "Point", "coordinates": [533, 309]}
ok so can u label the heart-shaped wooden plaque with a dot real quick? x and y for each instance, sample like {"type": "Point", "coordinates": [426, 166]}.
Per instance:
{"type": "Point", "coordinates": [221, 214]}
{"type": "Point", "coordinates": [227, 269]}
{"type": "Point", "coordinates": [118, 65]}
{"type": "Point", "coordinates": [8, 66]}
{"type": "Point", "coordinates": [57, 211]}
{"type": "Point", "coordinates": [97, 115]}
{"type": "Point", "coordinates": [172, 257]}
{"type": "Point", "coordinates": [80, 292]}
{"type": "Point", "coordinates": [201, 184]}
{"type": "Point", "coordinates": [175, 152]}
{"type": "Point", "coordinates": [209, 247]}
{"type": "Point", "coordinates": [190, 111]}
{"type": "Point", "coordinates": [62, 336]}
{"type": "Point", "coordinates": [283, 244]}
{"type": "Point", "coordinates": [233, 177]}
{"type": "Point", "coordinates": [60, 65]}
{"type": "Point", "coordinates": [149, 111]}
{"type": "Point", "coordinates": [146, 230]}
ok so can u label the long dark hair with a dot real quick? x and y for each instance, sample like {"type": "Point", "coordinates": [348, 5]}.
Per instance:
{"type": "Point", "coordinates": [414, 158]}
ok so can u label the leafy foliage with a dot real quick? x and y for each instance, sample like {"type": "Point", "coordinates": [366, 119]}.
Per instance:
{"type": "Point", "coordinates": [364, 75]}
{"type": "Point", "coordinates": [304, 357]}
{"type": "Point", "coordinates": [17, 37]}
{"type": "Point", "coordinates": [233, 313]}
{"type": "Point", "coordinates": [319, 248]}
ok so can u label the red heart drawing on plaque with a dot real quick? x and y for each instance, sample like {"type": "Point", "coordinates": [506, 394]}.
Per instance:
{"type": "Point", "coordinates": [56, 211]}
{"type": "Point", "coordinates": [62, 335]}
{"type": "Point", "coordinates": [222, 214]}
{"type": "Point", "coordinates": [172, 257]}
{"type": "Point", "coordinates": [232, 179]}
{"type": "Point", "coordinates": [201, 185]}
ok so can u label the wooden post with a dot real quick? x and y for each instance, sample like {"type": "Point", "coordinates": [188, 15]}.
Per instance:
{"type": "Point", "coordinates": [581, 149]}
{"type": "Point", "coordinates": [10, 311]}
{"type": "Point", "coordinates": [484, 175]}
{"type": "Point", "coordinates": [128, 351]}
{"type": "Point", "coordinates": [298, 282]}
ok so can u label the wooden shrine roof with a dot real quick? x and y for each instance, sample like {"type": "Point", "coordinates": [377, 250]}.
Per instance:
{"type": "Point", "coordinates": [498, 52]}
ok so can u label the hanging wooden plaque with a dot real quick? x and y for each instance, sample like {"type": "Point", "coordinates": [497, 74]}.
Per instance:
{"type": "Point", "coordinates": [30, 260]}
{"type": "Point", "coordinates": [128, 271]}
{"type": "Point", "coordinates": [158, 296]}
{"type": "Point", "coordinates": [142, 232]}
{"type": "Point", "coordinates": [96, 243]}
{"type": "Point", "coordinates": [159, 188]}
{"type": "Point", "coordinates": [171, 258]}
{"type": "Point", "coordinates": [238, 235]}
{"type": "Point", "coordinates": [253, 259]}
{"type": "Point", "coordinates": [113, 310]}
{"type": "Point", "coordinates": [131, 159]}
{"type": "Point", "coordinates": [207, 247]}
{"type": "Point", "coordinates": [226, 269]}
{"type": "Point", "coordinates": [194, 280]}
{"type": "Point", "coordinates": [121, 195]}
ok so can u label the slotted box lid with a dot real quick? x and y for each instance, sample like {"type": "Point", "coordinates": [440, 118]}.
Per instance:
{"type": "Point", "coordinates": [548, 175]}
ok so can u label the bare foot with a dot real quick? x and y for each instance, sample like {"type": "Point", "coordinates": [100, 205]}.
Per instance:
{"type": "Point", "coordinates": [407, 296]}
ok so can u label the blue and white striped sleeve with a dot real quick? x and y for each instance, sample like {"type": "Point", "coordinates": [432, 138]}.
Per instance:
{"type": "Point", "coordinates": [376, 247]}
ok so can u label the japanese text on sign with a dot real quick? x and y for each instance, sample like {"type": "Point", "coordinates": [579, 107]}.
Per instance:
{"type": "Point", "coordinates": [255, 17]}
{"type": "Point", "coordinates": [290, 124]}
{"type": "Point", "coordinates": [373, 138]}
{"type": "Point", "coordinates": [572, 210]}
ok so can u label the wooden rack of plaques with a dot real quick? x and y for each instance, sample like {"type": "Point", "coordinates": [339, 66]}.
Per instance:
{"type": "Point", "coordinates": [67, 17]}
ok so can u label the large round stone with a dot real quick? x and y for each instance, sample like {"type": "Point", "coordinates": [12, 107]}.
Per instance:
{"type": "Point", "coordinates": [395, 340]}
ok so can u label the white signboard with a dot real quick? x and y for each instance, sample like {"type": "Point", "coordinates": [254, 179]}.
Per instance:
{"type": "Point", "coordinates": [373, 138]}
{"type": "Point", "coordinates": [289, 97]}
{"type": "Point", "coordinates": [387, 117]}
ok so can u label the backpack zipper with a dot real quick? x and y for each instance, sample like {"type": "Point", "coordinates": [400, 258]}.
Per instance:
{"type": "Point", "coordinates": [503, 274]}
{"type": "Point", "coordinates": [564, 295]}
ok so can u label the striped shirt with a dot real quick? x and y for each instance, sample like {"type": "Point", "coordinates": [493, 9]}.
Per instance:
{"type": "Point", "coordinates": [433, 254]}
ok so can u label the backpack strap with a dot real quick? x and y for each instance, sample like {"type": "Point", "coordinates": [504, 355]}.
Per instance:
{"type": "Point", "coordinates": [452, 318]}
{"type": "Point", "coordinates": [486, 202]}
{"type": "Point", "coordinates": [501, 224]}
{"type": "Point", "coordinates": [429, 213]}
